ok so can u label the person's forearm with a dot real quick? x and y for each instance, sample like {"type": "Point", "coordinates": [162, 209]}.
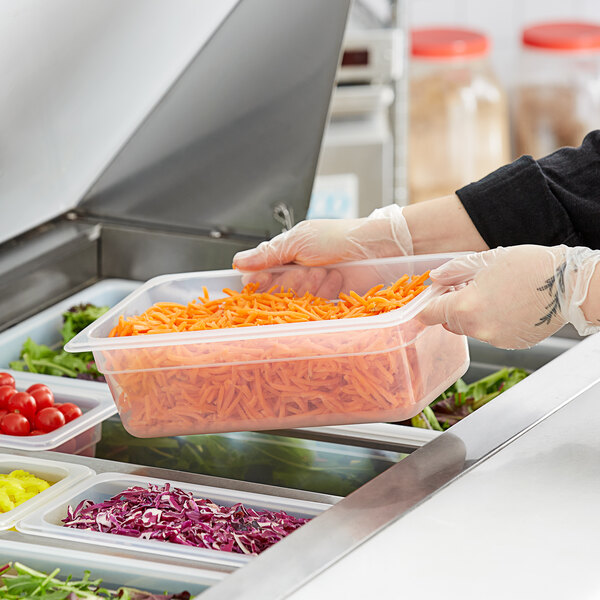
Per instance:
{"type": "Point", "coordinates": [591, 304]}
{"type": "Point", "coordinates": [442, 225]}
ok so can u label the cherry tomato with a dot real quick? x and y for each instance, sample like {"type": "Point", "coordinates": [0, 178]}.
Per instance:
{"type": "Point", "coordinates": [43, 398]}
{"type": "Point", "coordinates": [23, 403]}
{"type": "Point", "coordinates": [3, 412]}
{"type": "Point", "coordinates": [38, 386]}
{"type": "Point", "coordinates": [6, 391]}
{"type": "Point", "coordinates": [14, 424]}
{"type": "Point", "coordinates": [7, 379]}
{"type": "Point", "coordinates": [70, 411]}
{"type": "Point", "coordinates": [37, 432]}
{"type": "Point", "coordinates": [49, 419]}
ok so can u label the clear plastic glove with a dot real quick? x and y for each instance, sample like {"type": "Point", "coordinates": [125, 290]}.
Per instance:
{"type": "Point", "coordinates": [319, 242]}
{"type": "Point", "coordinates": [514, 297]}
{"type": "Point", "coordinates": [325, 241]}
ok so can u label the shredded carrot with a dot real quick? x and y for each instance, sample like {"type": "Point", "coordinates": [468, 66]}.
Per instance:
{"type": "Point", "coordinates": [238, 309]}
{"type": "Point", "coordinates": [273, 382]}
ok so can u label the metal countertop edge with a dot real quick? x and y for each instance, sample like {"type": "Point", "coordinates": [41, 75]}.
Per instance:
{"type": "Point", "coordinates": [294, 561]}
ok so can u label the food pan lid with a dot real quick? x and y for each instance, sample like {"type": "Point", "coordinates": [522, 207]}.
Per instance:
{"type": "Point", "coordinates": [232, 147]}
{"type": "Point", "coordinates": [199, 116]}
{"type": "Point", "coordinates": [79, 93]}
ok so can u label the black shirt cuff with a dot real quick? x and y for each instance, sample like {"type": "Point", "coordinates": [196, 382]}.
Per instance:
{"type": "Point", "coordinates": [514, 205]}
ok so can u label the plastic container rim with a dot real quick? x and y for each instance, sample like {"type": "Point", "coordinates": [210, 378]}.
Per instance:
{"type": "Point", "coordinates": [86, 340]}
{"type": "Point", "coordinates": [201, 574]}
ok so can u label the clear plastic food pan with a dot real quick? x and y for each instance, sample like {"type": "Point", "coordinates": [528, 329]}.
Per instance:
{"type": "Point", "coordinates": [81, 435]}
{"type": "Point", "coordinates": [115, 573]}
{"type": "Point", "coordinates": [47, 521]}
{"type": "Point", "coordinates": [385, 367]}
{"type": "Point", "coordinates": [61, 475]}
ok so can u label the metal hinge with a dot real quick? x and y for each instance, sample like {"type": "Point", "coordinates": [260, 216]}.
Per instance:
{"type": "Point", "coordinates": [284, 215]}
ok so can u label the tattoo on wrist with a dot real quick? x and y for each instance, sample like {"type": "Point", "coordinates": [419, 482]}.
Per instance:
{"type": "Point", "coordinates": [555, 286]}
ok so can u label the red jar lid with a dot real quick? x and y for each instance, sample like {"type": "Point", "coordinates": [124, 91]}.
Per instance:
{"type": "Point", "coordinates": [448, 43]}
{"type": "Point", "coordinates": [567, 36]}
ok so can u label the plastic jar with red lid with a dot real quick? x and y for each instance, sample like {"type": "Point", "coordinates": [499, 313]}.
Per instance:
{"type": "Point", "coordinates": [557, 97]}
{"type": "Point", "coordinates": [458, 112]}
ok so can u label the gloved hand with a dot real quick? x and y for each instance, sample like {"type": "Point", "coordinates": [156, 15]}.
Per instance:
{"type": "Point", "coordinates": [325, 241]}
{"type": "Point", "coordinates": [514, 297]}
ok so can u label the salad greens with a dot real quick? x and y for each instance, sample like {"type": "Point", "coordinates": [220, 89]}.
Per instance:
{"type": "Point", "coordinates": [461, 399]}
{"type": "Point", "coordinates": [262, 458]}
{"type": "Point", "coordinates": [18, 581]}
{"type": "Point", "coordinates": [38, 358]}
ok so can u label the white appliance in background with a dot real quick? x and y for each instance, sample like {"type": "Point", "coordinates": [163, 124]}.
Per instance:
{"type": "Point", "coordinates": [334, 197]}
{"type": "Point", "coordinates": [365, 136]}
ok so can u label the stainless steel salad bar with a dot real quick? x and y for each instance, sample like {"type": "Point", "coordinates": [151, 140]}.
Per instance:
{"type": "Point", "coordinates": [399, 508]}
{"type": "Point", "coordinates": [495, 480]}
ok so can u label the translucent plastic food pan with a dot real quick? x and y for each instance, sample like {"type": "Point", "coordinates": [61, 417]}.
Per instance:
{"type": "Point", "coordinates": [44, 328]}
{"type": "Point", "coordinates": [61, 475]}
{"type": "Point", "coordinates": [124, 572]}
{"type": "Point", "coordinates": [48, 520]}
{"type": "Point", "coordinates": [80, 435]}
{"type": "Point", "coordinates": [384, 367]}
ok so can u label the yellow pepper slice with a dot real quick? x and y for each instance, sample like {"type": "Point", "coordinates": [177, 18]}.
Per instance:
{"type": "Point", "coordinates": [18, 487]}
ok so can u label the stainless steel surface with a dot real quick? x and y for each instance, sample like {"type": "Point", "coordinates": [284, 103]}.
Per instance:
{"type": "Point", "coordinates": [530, 359]}
{"type": "Point", "coordinates": [385, 500]}
{"type": "Point", "coordinates": [38, 269]}
{"type": "Point", "coordinates": [239, 131]}
{"type": "Point", "coordinates": [523, 524]}
{"type": "Point", "coordinates": [141, 253]}
{"type": "Point", "coordinates": [72, 95]}
{"type": "Point", "coordinates": [56, 260]}
{"type": "Point", "coordinates": [382, 436]}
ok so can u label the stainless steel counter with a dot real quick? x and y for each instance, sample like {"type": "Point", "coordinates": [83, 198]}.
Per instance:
{"type": "Point", "coordinates": [522, 524]}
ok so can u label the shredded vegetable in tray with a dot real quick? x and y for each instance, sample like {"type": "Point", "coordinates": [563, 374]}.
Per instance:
{"type": "Point", "coordinates": [173, 515]}
{"type": "Point", "coordinates": [273, 382]}
{"type": "Point", "coordinates": [248, 308]}
{"type": "Point", "coordinates": [18, 487]}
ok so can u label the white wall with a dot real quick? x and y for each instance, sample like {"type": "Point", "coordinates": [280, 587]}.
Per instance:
{"type": "Point", "coordinates": [502, 20]}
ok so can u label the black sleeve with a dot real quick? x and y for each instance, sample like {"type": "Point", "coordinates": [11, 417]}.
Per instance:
{"type": "Point", "coordinates": [551, 201]}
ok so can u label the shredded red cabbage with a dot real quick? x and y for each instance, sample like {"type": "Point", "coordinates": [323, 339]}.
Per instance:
{"type": "Point", "coordinates": [173, 515]}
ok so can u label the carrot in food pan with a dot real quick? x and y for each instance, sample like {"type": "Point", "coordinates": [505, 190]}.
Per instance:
{"type": "Point", "coordinates": [276, 382]}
